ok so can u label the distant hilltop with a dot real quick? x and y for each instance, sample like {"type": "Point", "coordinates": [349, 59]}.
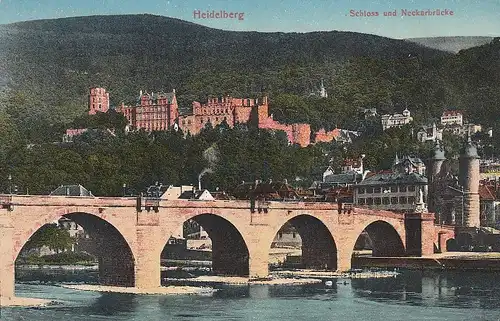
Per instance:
{"type": "Point", "coordinates": [451, 44]}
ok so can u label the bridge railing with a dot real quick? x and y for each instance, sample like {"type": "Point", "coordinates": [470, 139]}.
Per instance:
{"type": "Point", "coordinates": [148, 203]}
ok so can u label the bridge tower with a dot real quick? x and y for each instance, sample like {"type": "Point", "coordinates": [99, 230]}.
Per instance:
{"type": "Point", "coordinates": [469, 180]}
{"type": "Point", "coordinates": [436, 163]}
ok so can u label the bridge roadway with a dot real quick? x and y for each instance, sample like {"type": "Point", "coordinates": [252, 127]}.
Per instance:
{"type": "Point", "coordinates": [130, 241]}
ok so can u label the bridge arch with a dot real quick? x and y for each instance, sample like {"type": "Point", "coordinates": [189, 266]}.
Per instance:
{"type": "Point", "coordinates": [230, 251]}
{"type": "Point", "coordinates": [319, 248]}
{"type": "Point", "coordinates": [386, 238]}
{"type": "Point", "coordinates": [113, 244]}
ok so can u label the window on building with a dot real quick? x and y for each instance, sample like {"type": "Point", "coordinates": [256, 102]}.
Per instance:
{"type": "Point", "coordinates": [411, 200]}
{"type": "Point", "coordinates": [369, 190]}
{"type": "Point", "coordinates": [189, 122]}
{"type": "Point", "coordinates": [403, 200]}
{"type": "Point", "coordinates": [394, 200]}
{"type": "Point", "coordinates": [294, 235]}
{"type": "Point", "coordinates": [361, 201]}
{"type": "Point", "coordinates": [411, 188]}
{"type": "Point", "coordinates": [369, 201]}
{"type": "Point", "coordinates": [402, 189]}
{"type": "Point", "coordinates": [201, 120]}
{"type": "Point", "coordinates": [361, 190]}
{"type": "Point", "coordinates": [394, 189]}
{"type": "Point", "coordinates": [376, 190]}
{"type": "Point", "coordinates": [386, 201]}
{"type": "Point", "coordinates": [378, 201]}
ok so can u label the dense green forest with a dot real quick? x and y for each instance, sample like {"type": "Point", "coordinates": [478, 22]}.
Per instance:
{"type": "Point", "coordinates": [47, 67]}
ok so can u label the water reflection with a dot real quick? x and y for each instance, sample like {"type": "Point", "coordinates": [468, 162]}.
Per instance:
{"type": "Point", "coordinates": [446, 289]}
{"type": "Point", "coordinates": [438, 295]}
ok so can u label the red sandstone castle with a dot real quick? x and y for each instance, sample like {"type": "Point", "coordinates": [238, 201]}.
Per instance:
{"type": "Point", "coordinates": [159, 111]}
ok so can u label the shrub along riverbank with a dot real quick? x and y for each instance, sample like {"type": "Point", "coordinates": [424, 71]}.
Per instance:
{"type": "Point", "coordinates": [65, 258]}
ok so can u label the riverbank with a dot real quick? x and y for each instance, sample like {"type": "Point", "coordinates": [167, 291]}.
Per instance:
{"type": "Point", "coordinates": [236, 280]}
{"type": "Point", "coordinates": [170, 290]}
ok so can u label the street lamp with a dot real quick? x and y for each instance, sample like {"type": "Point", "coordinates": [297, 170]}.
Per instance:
{"type": "Point", "coordinates": [124, 189]}
{"type": "Point", "coordinates": [10, 183]}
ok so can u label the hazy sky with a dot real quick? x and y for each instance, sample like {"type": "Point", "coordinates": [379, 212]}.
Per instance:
{"type": "Point", "coordinates": [471, 18]}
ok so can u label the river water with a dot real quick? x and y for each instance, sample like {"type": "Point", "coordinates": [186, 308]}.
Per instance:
{"type": "Point", "coordinates": [409, 296]}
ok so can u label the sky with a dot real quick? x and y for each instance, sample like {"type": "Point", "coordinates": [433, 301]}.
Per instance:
{"type": "Point", "coordinates": [470, 18]}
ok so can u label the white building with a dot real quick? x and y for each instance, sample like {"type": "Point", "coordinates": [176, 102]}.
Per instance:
{"type": "Point", "coordinates": [452, 117]}
{"type": "Point", "coordinates": [396, 120]}
{"type": "Point", "coordinates": [429, 133]}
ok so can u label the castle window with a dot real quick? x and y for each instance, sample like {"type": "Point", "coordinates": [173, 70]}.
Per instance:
{"type": "Point", "coordinates": [376, 190]}
{"type": "Point", "coordinates": [201, 120]}
{"type": "Point", "coordinates": [394, 200]}
{"type": "Point", "coordinates": [403, 200]}
{"type": "Point", "coordinates": [378, 201]}
{"type": "Point", "coordinates": [386, 201]}
{"type": "Point", "coordinates": [369, 201]}
{"type": "Point", "coordinates": [369, 190]}
{"type": "Point", "coordinates": [361, 190]}
{"type": "Point", "coordinates": [402, 189]}
{"type": "Point", "coordinates": [394, 189]}
{"type": "Point", "coordinates": [361, 201]}
{"type": "Point", "coordinates": [411, 188]}
{"type": "Point", "coordinates": [411, 200]}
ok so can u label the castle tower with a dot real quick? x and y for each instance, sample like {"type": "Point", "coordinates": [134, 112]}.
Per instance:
{"type": "Point", "coordinates": [469, 179]}
{"type": "Point", "coordinates": [436, 161]}
{"type": "Point", "coordinates": [98, 100]}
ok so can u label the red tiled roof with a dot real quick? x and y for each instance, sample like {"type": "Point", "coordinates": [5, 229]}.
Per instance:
{"type": "Point", "coordinates": [452, 113]}
{"type": "Point", "coordinates": [486, 193]}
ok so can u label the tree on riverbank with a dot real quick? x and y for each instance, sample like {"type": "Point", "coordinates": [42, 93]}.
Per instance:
{"type": "Point", "coordinates": [51, 236]}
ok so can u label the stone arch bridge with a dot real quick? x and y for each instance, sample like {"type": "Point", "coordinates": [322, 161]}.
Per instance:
{"type": "Point", "coordinates": [131, 236]}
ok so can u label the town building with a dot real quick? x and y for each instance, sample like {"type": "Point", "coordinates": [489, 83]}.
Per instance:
{"type": "Point", "coordinates": [337, 186]}
{"type": "Point", "coordinates": [321, 92]}
{"type": "Point", "coordinates": [98, 100]}
{"type": "Point", "coordinates": [396, 120]}
{"type": "Point", "coordinates": [402, 189]}
{"type": "Point", "coordinates": [152, 111]}
{"type": "Point", "coordinates": [429, 133]}
{"type": "Point", "coordinates": [463, 130]}
{"type": "Point", "coordinates": [489, 200]}
{"type": "Point", "coordinates": [452, 117]}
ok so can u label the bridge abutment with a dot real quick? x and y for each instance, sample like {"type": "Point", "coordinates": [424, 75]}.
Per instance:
{"type": "Point", "coordinates": [7, 259]}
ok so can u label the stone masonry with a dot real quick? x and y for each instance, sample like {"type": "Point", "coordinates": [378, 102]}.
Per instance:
{"type": "Point", "coordinates": [133, 240]}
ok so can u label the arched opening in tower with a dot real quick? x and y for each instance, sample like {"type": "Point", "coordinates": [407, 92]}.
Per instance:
{"type": "Point", "coordinates": [212, 239]}
{"type": "Point", "coordinates": [303, 242]}
{"type": "Point", "coordinates": [78, 238]}
{"type": "Point", "coordinates": [378, 239]}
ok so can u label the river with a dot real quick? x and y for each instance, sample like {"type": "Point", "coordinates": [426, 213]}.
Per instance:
{"type": "Point", "coordinates": [409, 296]}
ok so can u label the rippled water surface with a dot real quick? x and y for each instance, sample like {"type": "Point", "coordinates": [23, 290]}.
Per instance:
{"type": "Point", "coordinates": [410, 296]}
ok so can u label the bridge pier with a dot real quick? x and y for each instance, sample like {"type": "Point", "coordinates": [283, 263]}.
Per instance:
{"type": "Point", "coordinates": [428, 234]}
{"type": "Point", "coordinates": [7, 259]}
{"type": "Point", "coordinates": [147, 257]}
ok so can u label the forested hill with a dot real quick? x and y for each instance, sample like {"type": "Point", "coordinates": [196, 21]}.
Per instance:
{"type": "Point", "coordinates": [59, 59]}
{"type": "Point", "coordinates": [50, 64]}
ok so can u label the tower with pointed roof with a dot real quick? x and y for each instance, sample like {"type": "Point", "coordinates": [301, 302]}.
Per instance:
{"type": "Point", "coordinates": [469, 179]}
{"type": "Point", "coordinates": [436, 161]}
